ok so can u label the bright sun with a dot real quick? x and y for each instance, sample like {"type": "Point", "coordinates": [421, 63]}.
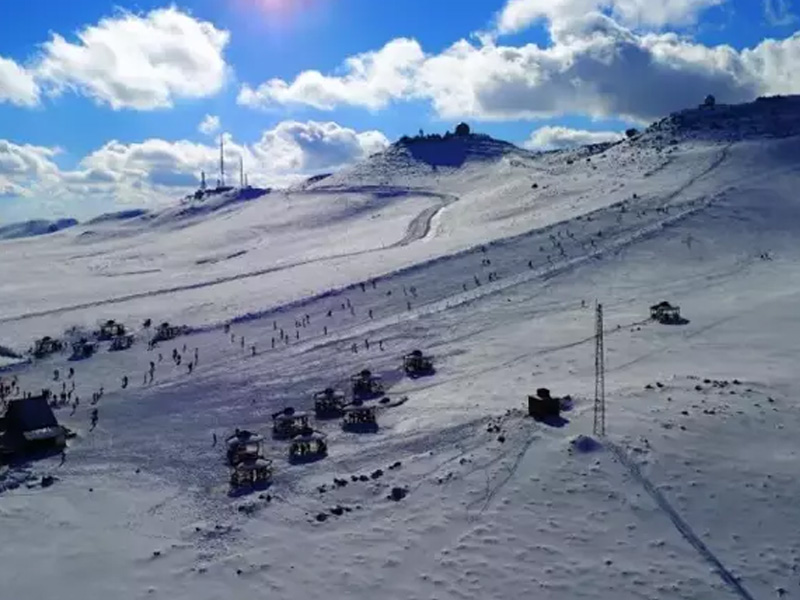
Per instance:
{"type": "Point", "coordinates": [280, 8]}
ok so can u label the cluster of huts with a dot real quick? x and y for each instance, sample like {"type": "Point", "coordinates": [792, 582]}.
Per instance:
{"type": "Point", "coordinates": [250, 469]}
{"type": "Point", "coordinates": [111, 331]}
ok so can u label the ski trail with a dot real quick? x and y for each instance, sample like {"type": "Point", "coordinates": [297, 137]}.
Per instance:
{"type": "Point", "coordinates": [417, 229]}
{"type": "Point", "coordinates": [680, 524]}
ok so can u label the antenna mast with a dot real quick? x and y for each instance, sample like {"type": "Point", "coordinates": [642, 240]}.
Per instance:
{"type": "Point", "coordinates": [221, 161]}
{"type": "Point", "coordinates": [599, 429]}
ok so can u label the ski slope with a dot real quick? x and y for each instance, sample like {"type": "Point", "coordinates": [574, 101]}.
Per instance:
{"type": "Point", "coordinates": [692, 496]}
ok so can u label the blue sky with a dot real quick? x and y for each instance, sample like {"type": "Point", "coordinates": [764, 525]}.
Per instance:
{"type": "Point", "coordinates": [580, 65]}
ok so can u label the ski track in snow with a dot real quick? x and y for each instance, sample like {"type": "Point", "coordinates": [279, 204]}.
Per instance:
{"type": "Point", "coordinates": [680, 524]}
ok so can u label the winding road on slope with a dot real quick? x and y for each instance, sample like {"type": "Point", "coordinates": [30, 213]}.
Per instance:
{"type": "Point", "coordinates": [417, 229]}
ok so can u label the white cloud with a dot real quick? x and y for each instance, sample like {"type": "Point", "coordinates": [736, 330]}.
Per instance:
{"type": "Point", "coordinates": [160, 171]}
{"type": "Point", "coordinates": [557, 138]}
{"type": "Point", "coordinates": [518, 15]}
{"type": "Point", "coordinates": [310, 146]}
{"type": "Point", "coordinates": [370, 80]}
{"type": "Point", "coordinates": [778, 13]}
{"type": "Point", "coordinates": [21, 163]}
{"type": "Point", "coordinates": [209, 125]}
{"type": "Point", "coordinates": [593, 66]}
{"type": "Point", "coordinates": [139, 62]}
{"type": "Point", "coordinates": [17, 84]}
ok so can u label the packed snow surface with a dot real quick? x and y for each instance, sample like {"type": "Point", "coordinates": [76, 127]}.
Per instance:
{"type": "Point", "coordinates": [490, 259]}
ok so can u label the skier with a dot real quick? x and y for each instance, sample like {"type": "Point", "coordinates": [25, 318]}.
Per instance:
{"type": "Point", "coordinates": [214, 437]}
{"type": "Point", "coordinates": [408, 305]}
{"type": "Point", "coordinates": [273, 343]}
{"type": "Point", "coordinates": [191, 366]}
{"type": "Point", "coordinates": [124, 381]}
{"type": "Point", "coordinates": [325, 330]}
{"type": "Point", "coordinates": [297, 334]}
{"type": "Point", "coordinates": [242, 344]}
{"type": "Point", "coordinates": [71, 372]}
{"type": "Point", "coordinates": [370, 313]}
{"type": "Point", "coordinates": [196, 355]}
{"type": "Point", "coordinates": [366, 344]}
{"type": "Point", "coordinates": [94, 418]}
{"type": "Point", "coordinates": [160, 357]}
{"type": "Point", "coordinates": [253, 348]}
{"type": "Point", "coordinates": [55, 375]}
{"type": "Point", "coordinates": [380, 345]}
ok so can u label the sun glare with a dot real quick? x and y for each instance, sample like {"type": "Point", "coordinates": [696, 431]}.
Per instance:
{"type": "Point", "coordinates": [279, 10]}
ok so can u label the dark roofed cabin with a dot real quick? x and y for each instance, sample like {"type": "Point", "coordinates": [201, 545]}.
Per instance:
{"type": "Point", "coordinates": [30, 426]}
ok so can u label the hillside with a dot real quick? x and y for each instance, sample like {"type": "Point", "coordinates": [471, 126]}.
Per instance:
{"type": "Point", "coordinates": [491, 262]}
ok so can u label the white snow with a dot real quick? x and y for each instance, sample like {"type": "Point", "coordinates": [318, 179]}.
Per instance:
{"type": "Point", "coordinates": [692, 495]}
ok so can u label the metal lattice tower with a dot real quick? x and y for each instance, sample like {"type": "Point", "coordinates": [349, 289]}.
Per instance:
{"type": "Point", "coordinates": [599, 377]}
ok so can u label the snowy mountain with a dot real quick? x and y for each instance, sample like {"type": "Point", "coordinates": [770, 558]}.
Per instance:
{"type": "Point", "coordinates": [489, 258]}
{"type": "Point", "coordinates": [34, 227]}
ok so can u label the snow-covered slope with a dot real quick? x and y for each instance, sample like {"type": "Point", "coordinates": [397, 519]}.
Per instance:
{"type": "Point", "coordinates": [492, 266]}
{"type": "Point", "coordinates": [34, 227]}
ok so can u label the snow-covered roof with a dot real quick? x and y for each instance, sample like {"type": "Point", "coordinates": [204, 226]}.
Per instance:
{"type": "Point", "coordinates": [251, 465]}
{"type": "Point", "coordinates": [44, 433]}
{"type": "Point", "coordinates": [292, 417]}
{"type": "Point", "coordinates": [359, 408]}
{"type": "Point", "coordinates": [253, 438]}
{"type": "Point", "coordinates": [316, 436]}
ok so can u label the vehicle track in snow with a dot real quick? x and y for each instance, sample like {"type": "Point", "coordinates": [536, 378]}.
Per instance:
{"type": "Point", "coordinates": [680, 524]}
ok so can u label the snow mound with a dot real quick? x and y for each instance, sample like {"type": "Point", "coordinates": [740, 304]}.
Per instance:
{"type": "Point", "coordinates": [417, 157]}
{"type": "Point", "coordinates": [207, 203]}
{"type": "Point", "coordinates": [122, 215]}
{"type": "Point", "coordinates": [34, 227]}
{"type": "Point", "coordinates": [11, 479]}
{"type": "Point", "coordinates": [583, 444]}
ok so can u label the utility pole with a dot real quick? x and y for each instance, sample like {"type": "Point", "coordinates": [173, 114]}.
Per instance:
{"type": "Point", "coordinates": [599, 429]}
